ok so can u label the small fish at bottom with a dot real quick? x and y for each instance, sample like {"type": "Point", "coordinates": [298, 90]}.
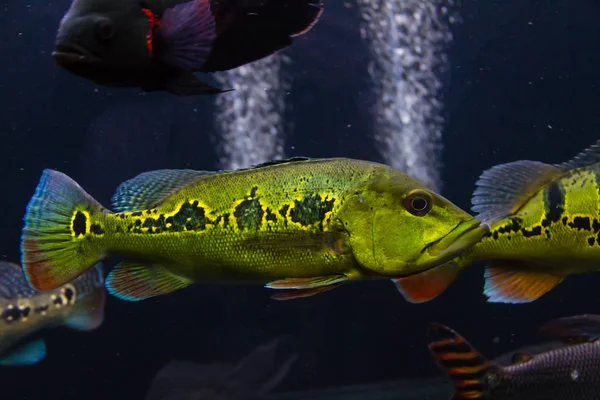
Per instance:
{"type": "Point", "coordinates": [24, 312]}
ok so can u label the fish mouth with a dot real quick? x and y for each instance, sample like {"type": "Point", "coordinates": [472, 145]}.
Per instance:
{"type": "Point", "coordinates": [73, 54]}
{"type": "Point", "coordinates": [460, 239]}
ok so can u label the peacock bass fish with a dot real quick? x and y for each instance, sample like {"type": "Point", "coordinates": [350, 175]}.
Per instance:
{"type": "Point", "coordinates": [544, 225]}
{"type": "Point", "coordinates": [302, 224]}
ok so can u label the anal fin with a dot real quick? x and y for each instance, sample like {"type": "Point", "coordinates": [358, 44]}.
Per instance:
{"type": "Point", "coordinates": [26, 354]}
{"type": "Point", "coordinates": [306, 283]}
{"type": "Point", "coordinates": [428, 285]}
{"type": "Point", "coordinates": [504, 284]}
{"type": "Point", "coordinates": [134, 282]}
{"type": "Point", "coordinates": [300, 293]}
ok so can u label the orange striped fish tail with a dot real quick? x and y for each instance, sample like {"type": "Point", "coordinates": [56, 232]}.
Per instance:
{"type": "Point", "coordinates": [461, 362]}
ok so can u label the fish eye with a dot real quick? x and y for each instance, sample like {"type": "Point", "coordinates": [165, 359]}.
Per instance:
{"type": "Point", "coordinates": [418, 203]}
{"type": "Point", "coordinates": [105, 29]}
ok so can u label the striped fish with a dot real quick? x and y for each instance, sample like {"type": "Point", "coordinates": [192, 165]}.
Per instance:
{"type": "Point", "coordinates": [571, 372]}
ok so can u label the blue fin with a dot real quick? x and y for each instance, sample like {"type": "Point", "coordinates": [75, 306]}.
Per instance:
{"type": "Point", "coordinates": [187, 33]}
{"type": "Point", "coordinates": [134, 282]}
{"type": "Point", "coordinates": [27, 354]}
{"type": "Point", "coordinates": [517, 285]}
{"type": "Point", "coordinates": [88, 313]}
{"type": "Point", "coordinates": [51, 255]}
{"type": "Point", "coordinates": [589, 156]}
{"type": "Point", "coordinates": [12, 282]}
{"type": "Point", "coordinates": [504, 188]}
{"type": "Point", "coordinates": [148, 189]}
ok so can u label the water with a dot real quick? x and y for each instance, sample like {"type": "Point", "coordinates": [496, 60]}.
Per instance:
{"type": "Point", "coordinates": [493, 82]}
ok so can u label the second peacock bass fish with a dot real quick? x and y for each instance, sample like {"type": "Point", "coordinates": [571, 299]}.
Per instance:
{"type": "Point", "coordinates": [544, 226]}
{"type": "Point", "coordinates": [302, 224]}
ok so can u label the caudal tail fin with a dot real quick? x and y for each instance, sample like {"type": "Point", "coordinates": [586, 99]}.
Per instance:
{"type": "Point", "coordinates": [257, 29]}
{"type": "Point", "coordinates": [461, 362]}
{"type": "Point", "coordinates": [54, 245]}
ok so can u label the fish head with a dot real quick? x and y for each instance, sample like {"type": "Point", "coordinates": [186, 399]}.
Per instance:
{"type": "Point", "coordinates": [404, 227]}
{"type": "Point", "coordinates": [102, 37]}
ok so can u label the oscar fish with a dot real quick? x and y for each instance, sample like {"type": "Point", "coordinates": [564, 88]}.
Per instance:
{"type": "Point", "coordinates": [157, 45]}
{"type": "Point", "coordinates": [569, 372]}
{"type": "Point", "coordinates": [544, 226]}
{"type": "Point", "coordinates": [307, 225]}
{"type": "Point", "coordinates": [24, 312]}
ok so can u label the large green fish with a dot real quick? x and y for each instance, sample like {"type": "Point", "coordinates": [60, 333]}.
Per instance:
{"type": "Point", "coordinates": [545, 225]}
{"type": "Point", "coordinates": [301, 224]}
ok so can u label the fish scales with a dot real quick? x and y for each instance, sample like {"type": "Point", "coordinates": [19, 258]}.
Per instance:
{"type": "Point", "coordinates": [567, 373]}
{"type": "Point", "coordinates": [212, 221]}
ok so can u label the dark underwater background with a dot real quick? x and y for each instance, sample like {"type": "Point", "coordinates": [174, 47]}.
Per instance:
{"type": "Point", "coordinates": [522, 83]}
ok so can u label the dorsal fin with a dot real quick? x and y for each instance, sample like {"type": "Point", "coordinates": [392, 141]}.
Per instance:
{"type": "Point", "coordinates": [589, 156]}
{"type": "Point", "coordinates": [503, 189]}
{"type": "Point", "coordinates": [575, 329]}
{"type": "Point", "coordinates": [12, 282]}
{"type": "Point", "coordinates": [148, 189]}
{"type": "Point", "coordinates": [278, 162]}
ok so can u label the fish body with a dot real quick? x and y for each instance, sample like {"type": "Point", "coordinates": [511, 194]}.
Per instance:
{"type": "Point", "coordinates": [159, 44]}
{"type": "Point", "coordinates": [544, 225]}
{"type": "Point", "coordinates": [24, 312]}
{"type": "Point", "coordinates": [301, 224]}
{"type": "Point", "coordinates": [571, 372]}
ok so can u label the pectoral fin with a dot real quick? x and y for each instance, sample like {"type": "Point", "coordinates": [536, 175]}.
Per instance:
{"type": "Point", "coordinates": [300, 293]}
{"type": "Point", "coordinates": [27, 354]}
{"type": "Point", "coordinates": [504, 284]}
{"type": "Point", "coordinates": [520, 358]}
{"type": "Point", "coordinates": [428, 285]}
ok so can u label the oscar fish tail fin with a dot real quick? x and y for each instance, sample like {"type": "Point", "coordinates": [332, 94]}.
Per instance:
{"type": "Point", "coordinates": [256, 29]}
{"type": "Point", "coordinates": [461, 362]}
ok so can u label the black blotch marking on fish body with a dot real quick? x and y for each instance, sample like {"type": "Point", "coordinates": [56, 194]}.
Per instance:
{"type": "Point", "coordinates": [40, 309]}
{"type": "Point", "coordinates": [581, 223]}
{"type": "Point", "coordinates": [122, 215]}
{"type": "Point", "coordinates": [311, 209]}
{"type": "Point", "coordinates": [495, 235]}
{"type": "Point", "coordinates": [565, 220]}
{"type": "Point", "coordinates": [190, 217]}
{"type": "Point", "coordinates": [596, 225]}
{"type": "Point", "coordinates": [271, 216]}
{"type": "Point", "coordinates": [11, 315]}
{"type": "Point", "coordinates": [253, 192]}
{"type": "Point", "coordinates": [535, 231]}
{"type": "Point", "coordinates": [513, 226]}
{"type": "Point", "coordinates": [248, 214]}
{"type": "Point", "coordinates": [58, 301]}
{"type": "Point", "coordinates": [591, 241]}
{"type": "Point", "coordinates": [79, 225]}
{"type": "Point", "coordinates": [224, 218]}
{"type": "Point", "coordinates": [26, 311]}
{"type": "Point", "coordinates": [136, 214]}
{"type": "Point", "coordinates": [70, 295]}
{"type": "Point", "coordinates": [554, 202]}
{"type": "Point", "coordinates": [96, 229]}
